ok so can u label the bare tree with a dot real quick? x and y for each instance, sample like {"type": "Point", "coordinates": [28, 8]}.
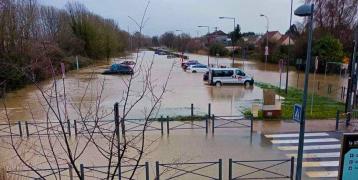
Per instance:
{"type": "Point", "coordinates": [52, 146]}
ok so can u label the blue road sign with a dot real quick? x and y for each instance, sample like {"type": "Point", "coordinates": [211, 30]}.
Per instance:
{"type": "Point", "coordinates": [297, 111]}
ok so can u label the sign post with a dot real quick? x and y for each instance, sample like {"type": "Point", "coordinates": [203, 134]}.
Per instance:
{"type": "Point", "coordinates": [348, 165]}
{"type": "Point", "coordinates": [314, 82]}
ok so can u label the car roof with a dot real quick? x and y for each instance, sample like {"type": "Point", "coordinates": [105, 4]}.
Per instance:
{"type": "Point", "coordinates": [217, 69]}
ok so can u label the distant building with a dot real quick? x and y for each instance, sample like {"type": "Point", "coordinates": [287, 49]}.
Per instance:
{"type": "Point", "coordinates": [219, 37]}
{"type": "Point", "coordinates": [276, 36]}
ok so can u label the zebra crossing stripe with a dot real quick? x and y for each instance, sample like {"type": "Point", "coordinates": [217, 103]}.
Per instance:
{"type": "Point", "coordinates": [321, 164]}
{"type": "Point", "coordinates": [322, 174]}
{"type": "Point", "coordinates": [296, 135]}
{"type": "Point", "coordinates": [315, 147]}
{"type": "Point", "coordinates": [293, 141]}
{"type": "Point", "coordinates": [317, 155]}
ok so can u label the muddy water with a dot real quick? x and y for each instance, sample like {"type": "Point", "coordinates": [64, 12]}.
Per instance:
{"type": "Point", "coordinates": [184, 88]}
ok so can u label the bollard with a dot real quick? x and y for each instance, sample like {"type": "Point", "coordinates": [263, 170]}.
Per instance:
{"type": "Point", "coordinates": [230, 169]}
{"type": "Point", "coordinates": [337, 120]}
{"type": "Point", "coordinates": [192, 110]}
{"type": "Point", "coordinates": [69, 127]}
{"type": "Point", "coordinates": [292, 168]}
{"type": "Point", "coordinates": [213, 124]}
{"type": "Point", "coordinates": [82, 169]}
{"type": "Point", "coordinates": [251, 124]}
{"type": "Point", "coordinates": [220, 169]}
{"type": "Point", "coordinates": [168, 125]}
{"type": "Point", "coordinates": [146, 171]}
{"type": "Point", "coordinates": [70, 171]}
{"type": "Point", "coordinates": [207, 124]}
{"type": "Point", "coordinates": [27, 129]}
{"type": "Point", "coordinates": [75, 124]}
{"type": "Point", "coordinates": [157, 174]}
{"type": "Point", "coordinates": [20, 129]}
{"type": "Point", "coordinates": [209, 109]}
{"type": "Point", "coordinates": [161, 124]}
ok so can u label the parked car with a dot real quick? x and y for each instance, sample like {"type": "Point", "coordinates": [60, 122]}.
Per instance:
{"type": "Point", "coordinates": [206, 76]}
{"type": "Point", "coordinates": [198, 68]}
{"type": "Point", "coordinates": [171, 56]}
{"type": "Point", "coordinates": [221, 76]}
{"type": "Point", "coordinates": [128, 63]}
{"type": "Point", "coordinates": [119, 69]}
{"type": "Point", "coordinates": [186, 64]}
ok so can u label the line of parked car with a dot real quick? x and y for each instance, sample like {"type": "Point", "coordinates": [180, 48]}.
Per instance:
{"type": "Point", "coordinates": [218, 76]}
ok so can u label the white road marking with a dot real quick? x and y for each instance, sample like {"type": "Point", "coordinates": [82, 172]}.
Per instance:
{"type": "Point", "coordinates": [317, 155]}
{"type": "Point", "coordinates": [322, 174]}
{"type": "Point", "coordinates": [293, 141]}
{"type": "Point", "coordinates": [295, 135]}
{"type": "Point", "coordinates": [315, 147]}
{"type": "Point", "coordinates": [321, 164]}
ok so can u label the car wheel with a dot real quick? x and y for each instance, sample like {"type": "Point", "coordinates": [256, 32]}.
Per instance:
{"type": "Point", "coordinates": [194, 71]}
{"type": "Point", "coordinates": [218, 84]}
{"type": "Point", "coordinates": [247, 83]}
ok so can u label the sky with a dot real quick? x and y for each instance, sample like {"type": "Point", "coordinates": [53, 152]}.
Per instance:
{"type": "Point", "coordinates": [186, 15]}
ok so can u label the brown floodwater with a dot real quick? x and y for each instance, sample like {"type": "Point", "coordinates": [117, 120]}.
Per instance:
{"type": "Point", "coordinates": [83, 88]}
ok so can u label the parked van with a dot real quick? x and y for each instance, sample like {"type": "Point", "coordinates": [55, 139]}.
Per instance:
{"type": "Point", "coordinates": [220, 76]}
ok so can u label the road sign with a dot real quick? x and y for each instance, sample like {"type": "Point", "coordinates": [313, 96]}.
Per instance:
{"type": "Point", "coordinates": [348, 166]}
{"type": "Point", "coordinates": [297, 111]}
{"type": "Point", "coordinates": [266, 50]}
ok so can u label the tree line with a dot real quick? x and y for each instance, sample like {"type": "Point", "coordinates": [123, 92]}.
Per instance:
{"type": "Point", "coordinates": [35, 39]}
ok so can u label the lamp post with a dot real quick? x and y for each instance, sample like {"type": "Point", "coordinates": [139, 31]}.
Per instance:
{"type": "Point", "coordinates": [304, 11]}
{"type": "Point", "coordinates": [232, 40]}
{"type": "Point", "coordinates": [208, 41]}
{"type": "Point", "coordinates": [267, 38]}
{"type": "Point", "coordinates": [289, 49]}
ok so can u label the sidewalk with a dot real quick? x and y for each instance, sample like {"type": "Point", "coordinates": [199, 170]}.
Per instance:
{"type": "Point", "coordinates": [273, 126]}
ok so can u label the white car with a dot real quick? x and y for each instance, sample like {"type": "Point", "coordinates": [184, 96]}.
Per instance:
{"type": "Point", "coordinates": [198, 68]}
{"type": "Point", "coordinates": [220, 76]}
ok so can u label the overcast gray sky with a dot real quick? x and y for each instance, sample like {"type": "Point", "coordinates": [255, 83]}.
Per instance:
{"type": "Point", "coordinates": [186, 15]}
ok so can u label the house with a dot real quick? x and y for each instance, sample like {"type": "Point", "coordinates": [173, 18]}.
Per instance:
{"type": "Point", "coordinates": [285, 40]}
{"type": "Point", "coordinates": [276, 36]}
{"type": "Point", "coordinates": [219, 37]}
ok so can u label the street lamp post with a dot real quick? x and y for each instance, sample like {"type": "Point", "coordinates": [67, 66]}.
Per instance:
{"type": "Point", "coordinates": [304, 11]}
{"type": "Point", "coordinates": [232, 40]}
{"type": "Point", "coordinates": [267, 37]}
{"type": "Point", "coordinates": [289, 48]}
{"type": "Point", "coordinates": [208, 41]}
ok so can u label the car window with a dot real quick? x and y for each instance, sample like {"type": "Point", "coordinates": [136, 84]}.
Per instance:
{"type": "Point", "coordinates": [240, 73]}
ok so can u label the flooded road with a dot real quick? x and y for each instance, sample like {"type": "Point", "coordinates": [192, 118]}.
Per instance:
{"type": "Point", "coordinates": [184, 88]}
{"type": "Point", "coordinates": [84, 87]}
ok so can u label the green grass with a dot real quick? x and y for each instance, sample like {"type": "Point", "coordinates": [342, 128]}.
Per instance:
{"type": "Point", "coordinates": [323, 107]}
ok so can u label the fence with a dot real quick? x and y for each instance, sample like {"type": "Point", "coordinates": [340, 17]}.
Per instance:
{"type": "Point", "coordinates": [83, 127]}
{"type": "Point", "coordinates": [195, 170]}
{"type": "Point", "coordinates": [256, 169]}
{"type": "Point", "coordinates": [132, 125]}
{"type": "Point", "coordinates": [342, 119]}
{"type": "Point", "coordinates": [261, 169]}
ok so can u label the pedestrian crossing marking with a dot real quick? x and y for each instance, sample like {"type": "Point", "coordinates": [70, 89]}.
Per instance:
{"type": "Point", "coordinates": [296, 135]}
{"type": "Point", "coordinates": [293, 141]}
{"type": "Point", "coordinates": [321, 164]}
{"type": "Point", "coordinates": [317, 155]}
{"type": "Point", "coordinates": [322, 174]}
{"type": "Point", "coordinates": [315, 147]}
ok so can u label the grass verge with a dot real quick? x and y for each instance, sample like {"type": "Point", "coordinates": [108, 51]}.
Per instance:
{"type": "Point", "coordinates": [323, 107]}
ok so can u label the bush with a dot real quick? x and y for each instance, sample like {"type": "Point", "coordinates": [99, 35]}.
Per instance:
{"type": "Point", "coordinates": [218, 49]}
